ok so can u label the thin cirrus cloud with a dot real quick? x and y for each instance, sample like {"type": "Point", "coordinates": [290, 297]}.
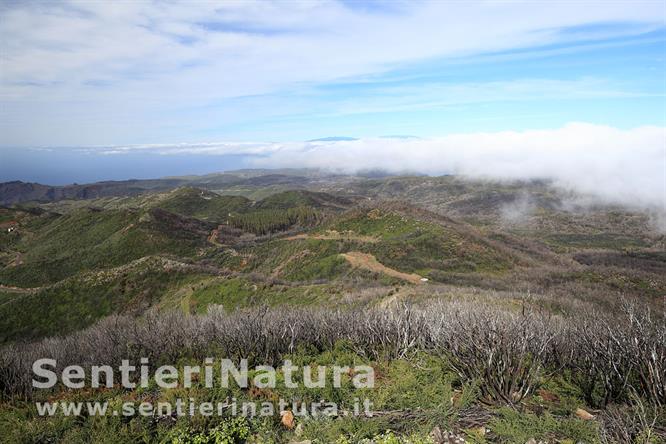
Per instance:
{"type": "Point", "coordinates": [86, 73]}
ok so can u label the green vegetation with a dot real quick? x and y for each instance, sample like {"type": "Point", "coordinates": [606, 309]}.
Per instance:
{"type": "Point", "coordinates": [235, 293]}
{"type": "Point", "coordinates": [421, 385]}
{"type": "Point", "coordinates": [71, 264]}
{"type": "Point", "coordinates": [275, 213]}
{"type": "Point", "coordinates": [414, 400]}
{"type": "Point", "coordinates": [299, 260]}
{"type": "Point", "coordinates": [515, 426]}
{"type": "Point", "coordinates": [600, 240]}
{"type": "Point", "coordinates": [193, 202]}
{"type": "Point", "coordinates": [92, 239]}
{"type": "Point", "coordinates": [301, 198]}
{"type": "Point", "coordinates": [231, 431]}
{"type": "Point", "coordinates": [262, 222]}
{"type": "Point", "coordinates": [426, 248]}
{"type": "Point", "coordinates": [78, 302]}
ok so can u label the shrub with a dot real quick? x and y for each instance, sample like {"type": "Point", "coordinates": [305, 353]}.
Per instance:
{"type": "Point", "coordinates": [509, 354]}
{"type": "Point", "coordinates": [230, 431]}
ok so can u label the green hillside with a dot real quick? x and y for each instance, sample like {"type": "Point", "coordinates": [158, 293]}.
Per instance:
{"type": "Point", "coordinates": [205, 205]}
{"type": "Point", "coordinates": [90, 239]}
{"type": "Point", "coordinates": [303, 198]}
{"type": "Point", "coordinates": [79, 301]}
{"type": "Point", "coordinates": [214, 271]}
{"type": "Point", "coordinates": [431, 248]}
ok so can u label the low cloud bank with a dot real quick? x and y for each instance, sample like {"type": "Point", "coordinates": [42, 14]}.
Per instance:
{"type": "Point", "coordinates": [617, 166]}
{"type": "Point", "coordinates": [620, 166]}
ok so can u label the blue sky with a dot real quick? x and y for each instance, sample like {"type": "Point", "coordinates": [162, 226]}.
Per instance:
{"type": "Point", "coordinates": [122, 76]}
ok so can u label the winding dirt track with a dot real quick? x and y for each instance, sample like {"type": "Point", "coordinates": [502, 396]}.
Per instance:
{"type": "Point", "coordinates": [22, 290]}
{"type": "Point", "coordinates": [369, 262]}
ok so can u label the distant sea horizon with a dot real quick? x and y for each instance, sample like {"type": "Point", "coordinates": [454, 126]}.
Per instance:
{"type": "Point", "coordinates": [66, 166]}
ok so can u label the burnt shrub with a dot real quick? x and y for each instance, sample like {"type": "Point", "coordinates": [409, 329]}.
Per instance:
{"type": "Point", "coordinates": [510, 352]}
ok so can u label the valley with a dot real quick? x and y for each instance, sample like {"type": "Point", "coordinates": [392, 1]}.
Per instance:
{"type": "Point", "coordinates": [342, 244]}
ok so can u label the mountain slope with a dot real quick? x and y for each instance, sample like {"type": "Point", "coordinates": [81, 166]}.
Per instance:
{"type": "Point", "coordinates": [89, 239]}
{"type": "Point", "coordinates": [80, 300]}
{"type": "Point", "coordinates": [303, 198]}
{"type": "Point", "coordinates": [202, 204]}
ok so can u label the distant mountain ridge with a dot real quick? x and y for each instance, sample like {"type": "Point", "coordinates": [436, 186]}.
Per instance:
{"type": "Point", "coordinates": [17, 192]}
{"type": "Point", "coordinates": [334, 139]}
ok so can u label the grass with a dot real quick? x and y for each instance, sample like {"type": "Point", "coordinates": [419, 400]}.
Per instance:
{"type": "Point", "coordinates": [80, 301]}
{"type": "Point", "coordinates": [91, 239]}
{"type": "Point", "coordinates": [235, 293]}
{"type": "Point", "coordinates": [205, 205]}
{"type": "Point", "coordinates": [421, 387]}
{"type": "Point", "coordinates": [514, 426]}
{"type": "Point", "coordinates": [300, 261]}
{"type": "Point", "coordinates": [411, 245]}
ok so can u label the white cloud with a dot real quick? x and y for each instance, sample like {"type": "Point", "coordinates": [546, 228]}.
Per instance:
{"type": "Point", "coordinates": [74, 71]}
{"type": "Point", "coordinates": [239, 48]}
{"type": "Point", "coordinates": [619, 166]}
{"type": "Point", "coordinates": [615, 165]}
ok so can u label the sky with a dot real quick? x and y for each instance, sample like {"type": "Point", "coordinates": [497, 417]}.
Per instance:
{"type": "Point", "coordinates": [111, 90]}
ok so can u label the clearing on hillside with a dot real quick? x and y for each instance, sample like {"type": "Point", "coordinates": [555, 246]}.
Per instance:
{"type": "Point", "coordinates": [336, 235]}
{"type": "Point", "coordinates": [369, 262]}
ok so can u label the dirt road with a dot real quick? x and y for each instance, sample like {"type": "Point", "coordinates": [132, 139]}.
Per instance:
{"type": "Point", "coordinates": [369, 262]}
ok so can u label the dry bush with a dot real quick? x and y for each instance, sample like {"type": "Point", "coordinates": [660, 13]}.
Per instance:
{"type": "Point", "coordinates": [637, 423]}
{"type": "Point", "coordinates": [509, 352]}
{"type": "Point", "coordinates": [611, 354]}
